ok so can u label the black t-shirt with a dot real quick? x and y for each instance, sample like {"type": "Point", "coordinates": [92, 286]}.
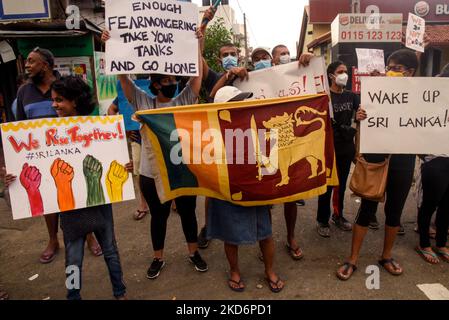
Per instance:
{"type": "Point", "coordinates": [344, 105]}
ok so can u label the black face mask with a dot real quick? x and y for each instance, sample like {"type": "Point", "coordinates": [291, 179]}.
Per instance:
{"type": "Point", "coordinates": [169, 91]}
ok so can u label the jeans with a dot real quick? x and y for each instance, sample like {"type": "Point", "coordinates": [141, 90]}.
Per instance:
{"type": "Point", "coordinates": [74, 254]}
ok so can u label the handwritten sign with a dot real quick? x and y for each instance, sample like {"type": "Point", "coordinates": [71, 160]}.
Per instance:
{"type": "Point", "coordinates": [370, 60]}
{"type": "Point", "coordinates": [106, 88]}
{"type": "Point", "coordinates": [405, 115]}
{"type": "Point", "coordinates": [152, 37]}
{"type": "Point", "coordinates": [287, 80]}
{"type": "Point", "coordinates": [64, 164]}
{"type": "Point", "coordinates": [416, 28]}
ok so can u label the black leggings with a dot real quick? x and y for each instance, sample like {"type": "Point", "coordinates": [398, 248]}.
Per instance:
{"type": "Point", "coordinates": [324, 201]}
{"type": "Point", "coordinates": [185, 206]}
{"type": "Point", "coordinates": [435, 189]}
{"type": "Point", "coordinates": [398, 186]}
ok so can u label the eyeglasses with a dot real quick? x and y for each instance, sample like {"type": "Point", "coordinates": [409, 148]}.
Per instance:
{"type": "Point", "coordinates": [396, 68]}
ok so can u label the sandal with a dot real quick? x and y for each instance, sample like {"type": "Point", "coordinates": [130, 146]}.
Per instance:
{"type": "Point", "coordinates": [427, 255]}
{"type": "Point", "coordinates": [296, 254]}
{"type": "Point", "coordinates": [47, 257]}
{"type": "Point", "coordinates": [274, 285]}
{"type": "Point", "coordinates": [396, 268]}
{"type": "Point", "coordinates": [239, 288]}
{"type": "Point", "coordinates": [140, 214]}
{"type": "Point", "coordinates": [346, 273]}
{"type": "Point", "coordinates": [442, 254]}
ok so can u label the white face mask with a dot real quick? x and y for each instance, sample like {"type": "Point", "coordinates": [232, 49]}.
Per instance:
{"type": "Point", "coordinates": [284, 59]}
{"type": "Point", "coordinates": [342, 79]}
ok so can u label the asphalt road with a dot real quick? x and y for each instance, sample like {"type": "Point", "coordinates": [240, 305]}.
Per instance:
{"type": "Point", "coordinates": [21, 243]}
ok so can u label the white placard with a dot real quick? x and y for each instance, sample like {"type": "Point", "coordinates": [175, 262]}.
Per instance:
{"type": "Point", "coordinates": [367, 27]}
{"type": "Point", "coordinates": [286, 80]}
{"type": "Point", "coordinates": [405, 115]}
{"type": "Point", "coordinates": [66, 163]}
{"type": "Point", "coordinates": [416, 28]}
{"type": "Point", "coordinates": [370, 60]}
{"type": "Point", "coordinates": [6, 52]}
{"type": "Point", "coordinates": [152, 37]}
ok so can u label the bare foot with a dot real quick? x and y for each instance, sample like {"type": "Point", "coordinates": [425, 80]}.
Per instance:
{"type": "Point", "coordinates": [93, 245]}
{"type": "Point", "coordinates": [235, 282]}
{"type": "Point", "coordinates": [50, 252]}
{"type": "Point", "coordinates": [274, 282]}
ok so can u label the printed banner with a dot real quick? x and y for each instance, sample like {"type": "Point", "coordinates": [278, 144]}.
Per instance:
{"type": "Point", "coordinates": [152, 37]}
{"type": "Point", "coordinates": [250, 153]}
{"type": "Point", "coordinates": [287, 80]}
{"type": "Point", "coordinates": [63, 164]}
{"type": "Point", "coordinates": [405, 115]}
{"type": "Point", "coordinates": [106, 84]}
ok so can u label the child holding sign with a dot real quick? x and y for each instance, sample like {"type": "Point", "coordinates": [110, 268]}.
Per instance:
{"type": "Point", "coordinates": [72, 97]}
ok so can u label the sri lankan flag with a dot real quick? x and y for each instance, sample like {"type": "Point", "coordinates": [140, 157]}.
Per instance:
{"type": "Point", "coordinates": [250, 152]}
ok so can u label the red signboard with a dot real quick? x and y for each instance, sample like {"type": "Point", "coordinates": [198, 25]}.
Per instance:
{"type": "Point", "coordinates": [324, 12]}
{"type": "Point", "coordinates": [356, 79]}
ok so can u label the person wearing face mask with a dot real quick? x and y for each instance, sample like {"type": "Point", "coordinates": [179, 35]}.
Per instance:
{"type": "Point", "coordinates": [345, 104]}
{"type": "Point", "coordinates": [164, 88]}
{"type": "Point", "coordinates": [34, 102]}
{"type": "Point", "coordinates": [281, 55]}
{"type": "Point", "coordinates": [261, 59]}
{"type": "Point", "coordinates": [402, 63]}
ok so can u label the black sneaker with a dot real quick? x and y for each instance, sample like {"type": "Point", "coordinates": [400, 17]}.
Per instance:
{"type": "Point", "coordinates": [401, 231]}
{"type": "Point", "coordinates": [342, 223]}
{"type": "Point", "coordinates": [203, 242]}
{"type": "Point", "coordinates": [155, 268]}
{"type": "Point", "coordinates": [200, 264]}
{"type": "Point", "coordinates": [373, 224]}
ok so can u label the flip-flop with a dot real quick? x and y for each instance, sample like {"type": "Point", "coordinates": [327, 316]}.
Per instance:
{"type": "Point", "coordinates": [238, 283]}
{"type": "Point", "coordinates": [140, 214]}
{"type": "Point", "coordinates": [296, 254]}
{"type": "Point", "coordinates": [424, 254]}
{"type": "Point", "coordinates": [47, 258]}
{"type": "Point", "coordinates": [275, 289]}
{"type": "Point", "coordinates": [346, 266]}
{"type": "Point", "coordinates": [395, 265]}
{"type": "Point", "coordinates": [442, 254]}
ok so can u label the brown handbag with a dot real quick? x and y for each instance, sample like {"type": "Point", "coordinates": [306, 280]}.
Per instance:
{"type": "Point", "coordinates": [369, 180]}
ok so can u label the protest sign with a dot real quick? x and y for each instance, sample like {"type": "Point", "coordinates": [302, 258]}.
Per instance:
{"type": "Point", "coordinates": [64, 164]}
{"type": "Point", "coordinates": [356, 76]}
{"type": "Point", "coordinates": [370, 60]}
{"type": "Point", "coordinates": [416, 28]}
{"type": "Point", "coordinates": [152, 37]}
{"type": "Point", "coordinates": [287, 80]}
{"type": "Point", "coordinates": [405, 115]}
{"type": "Point", "coordinates": [106, 84]}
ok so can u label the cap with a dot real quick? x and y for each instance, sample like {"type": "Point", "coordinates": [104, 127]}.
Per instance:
{"type": "Point", "coordinates": [229, 93]}
{"type": "Point", "coordinates": [259, 50]}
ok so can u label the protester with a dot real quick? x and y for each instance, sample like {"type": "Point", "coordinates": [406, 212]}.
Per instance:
{"type": "Point", "coordinates": [401, 63]}
{"type": "Point", "coordinates": [71, 96]}
{"type": "Point", "coordinates": [33, 102]}
{"type": "Point", "coordinates": [164, 87]}
{"type": "Point", "coordinates": [135, 142]}
{"type": "Point", "coordinates": [344, 105]}
{"type": "Point", "coordinates": [236, 225]}
{"type": "Point", "coordinates": [228, 58]}
{"type": "Point", "coordinates": [435, 196]}
{"type": "Point", "coordinates": [281, 55]}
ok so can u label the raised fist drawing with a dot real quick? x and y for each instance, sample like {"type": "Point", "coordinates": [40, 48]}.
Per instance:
{"type": "Point", "coordinates": [63, 175]}
{"type": "Point", "coordinates": [93, 170]}
{"type": "Point", "coordinates": [30, 178]}
{"type": "Point", "coordinates": [115, 179]}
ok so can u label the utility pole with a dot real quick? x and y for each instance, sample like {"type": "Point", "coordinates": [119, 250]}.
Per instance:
{"type": "Point", "coordinates": [246, 40]}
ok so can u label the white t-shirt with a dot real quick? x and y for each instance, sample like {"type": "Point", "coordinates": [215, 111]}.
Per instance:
{"type": "Point", "coordinates": [142, 101]}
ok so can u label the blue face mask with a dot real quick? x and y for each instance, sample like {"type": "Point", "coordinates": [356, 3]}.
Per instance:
{"type": "Point", "coordinates": [262, 64]}
{"type": "Point", "coordinates": [229, 62]}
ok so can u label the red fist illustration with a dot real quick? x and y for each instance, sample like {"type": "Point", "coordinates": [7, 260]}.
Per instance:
{"type": "Point", "coordinates": [30, 178]}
